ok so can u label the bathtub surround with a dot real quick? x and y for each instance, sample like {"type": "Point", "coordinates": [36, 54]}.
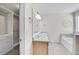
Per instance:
{"type": "Point", "coordinates": [67, 40]}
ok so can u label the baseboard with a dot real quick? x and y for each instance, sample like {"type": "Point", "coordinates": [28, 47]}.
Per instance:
{"type": "Point", "coordinates": [14, 45]}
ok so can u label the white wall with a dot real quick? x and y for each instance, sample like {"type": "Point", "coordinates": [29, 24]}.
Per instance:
{"type": "Point", "coordinates": [56, 24]}
{"type": "Point", "coordinates": [28, 29]}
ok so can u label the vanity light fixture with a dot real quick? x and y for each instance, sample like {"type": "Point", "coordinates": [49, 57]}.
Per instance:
{"type": "Point", "coordinates": [37, 16]}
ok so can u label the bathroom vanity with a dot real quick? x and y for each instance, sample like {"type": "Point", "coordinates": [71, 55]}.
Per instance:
{"type": "Point", "coordinates": [40, 44]}
{"type": "Point", "coordinates": [40, 47]}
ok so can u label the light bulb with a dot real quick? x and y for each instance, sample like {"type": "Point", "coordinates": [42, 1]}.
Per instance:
{"type": "Point", "coordinates": [38, 17]}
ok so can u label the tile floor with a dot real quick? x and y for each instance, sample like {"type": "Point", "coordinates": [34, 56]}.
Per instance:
{"type": "Point", "coordinates": [14, 51]}
{"type": "Point", "coordinates": [58, 49]}
{"type": "Point", "coordinates": [54, 49]}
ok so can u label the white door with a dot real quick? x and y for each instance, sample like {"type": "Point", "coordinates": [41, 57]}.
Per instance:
{"type": "Point", "coordinates": [25, 29]}
{"type": "Point", "coordinates": [22, 30]}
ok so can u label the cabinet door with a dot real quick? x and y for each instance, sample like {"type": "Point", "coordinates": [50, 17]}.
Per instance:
{"type": "Point", "coordinates": [44, 48]}
{"type": "Point", "coordinates": [40, 48]}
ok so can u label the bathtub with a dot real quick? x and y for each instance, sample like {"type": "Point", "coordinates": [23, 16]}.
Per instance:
{"type": "Point", "coordinates": [67, 41]}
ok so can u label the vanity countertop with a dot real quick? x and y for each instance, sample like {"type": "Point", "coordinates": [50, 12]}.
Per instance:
{"type": "Point", "coordinates": [40, 40]}
{"type": "Point", "coordinates": [40, 37]}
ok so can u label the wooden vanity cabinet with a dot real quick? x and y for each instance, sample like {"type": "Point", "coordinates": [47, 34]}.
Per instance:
{"type": "Point", "coordinates": [40, 48]}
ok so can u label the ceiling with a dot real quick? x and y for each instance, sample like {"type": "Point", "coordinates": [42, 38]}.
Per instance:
{"type": "Point", "coordinates": [47, 8]}
{"type": "Point", "coordinates": [12, 6]}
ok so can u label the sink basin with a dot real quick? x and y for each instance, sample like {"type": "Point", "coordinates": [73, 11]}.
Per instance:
{"type": "Point", "coordinates": [40, 36]}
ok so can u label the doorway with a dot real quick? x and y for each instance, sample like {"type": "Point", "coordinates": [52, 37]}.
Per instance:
{"type": "Point", "coordinates": [15, 50]}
